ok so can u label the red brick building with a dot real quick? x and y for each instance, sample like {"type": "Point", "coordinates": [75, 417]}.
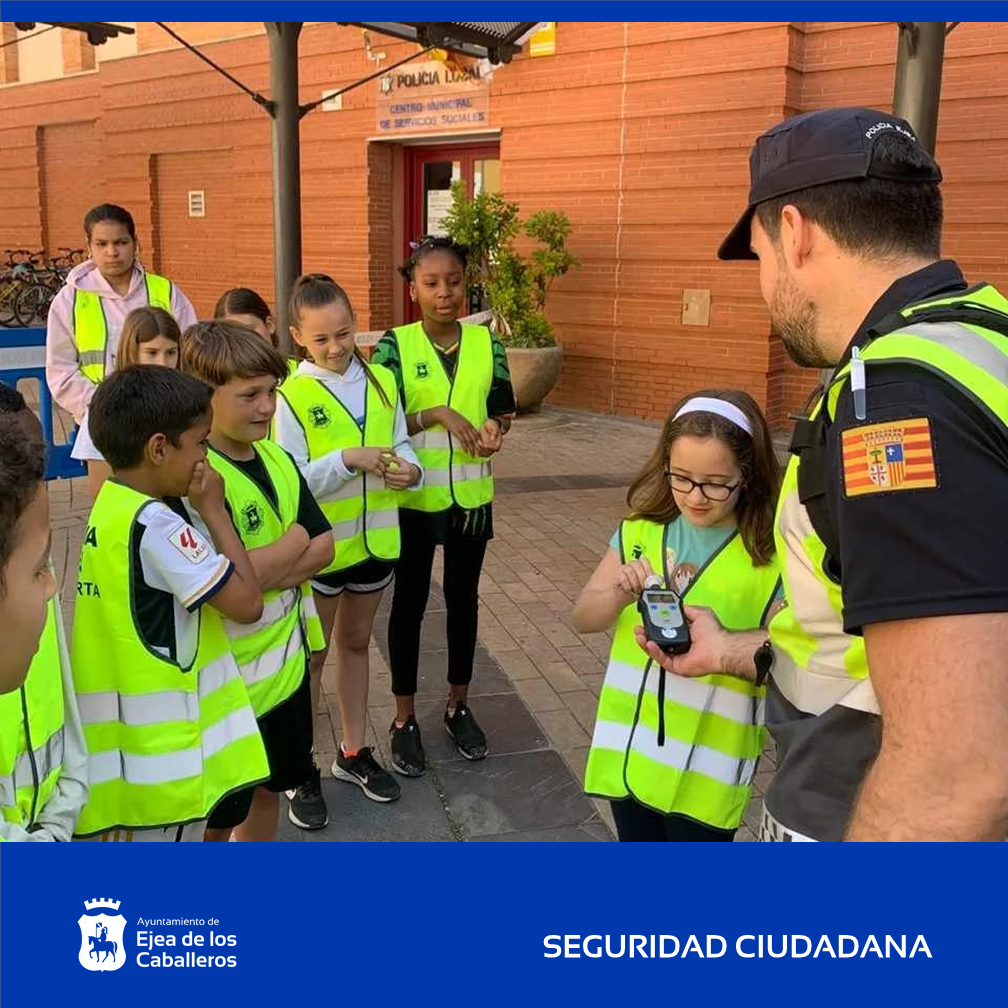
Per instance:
{"type": "Point", "coordinates": [638, 130]}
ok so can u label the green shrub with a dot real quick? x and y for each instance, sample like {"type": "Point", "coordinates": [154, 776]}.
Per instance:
{"type": "Point", "coordinates": [498, 277]}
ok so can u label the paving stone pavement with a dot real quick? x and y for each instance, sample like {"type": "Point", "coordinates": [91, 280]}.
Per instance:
{"type": "Point", "coordinates": [561, 481]}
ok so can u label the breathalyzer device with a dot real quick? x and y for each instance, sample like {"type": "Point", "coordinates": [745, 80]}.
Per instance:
{"type": "Point", "coordinates": [661, 612]}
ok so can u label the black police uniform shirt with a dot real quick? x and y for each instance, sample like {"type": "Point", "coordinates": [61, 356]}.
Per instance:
{"type": "Point", "coordinates": [904, 554]}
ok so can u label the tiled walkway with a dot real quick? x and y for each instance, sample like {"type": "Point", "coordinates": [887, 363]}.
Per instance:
{"type": "Point", "coordinates": [561, 480]}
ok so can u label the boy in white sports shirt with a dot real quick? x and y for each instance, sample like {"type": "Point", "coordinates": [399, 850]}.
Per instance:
{"type": "Point", "coordinates": [166, 715]}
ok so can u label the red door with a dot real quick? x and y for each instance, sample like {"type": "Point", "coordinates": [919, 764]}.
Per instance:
{"type": "Point", "coordinates": [429, 173]}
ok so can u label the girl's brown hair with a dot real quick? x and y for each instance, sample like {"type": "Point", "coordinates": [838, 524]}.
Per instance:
{"type": "Point", "coordinates": [141, 326]}
{"type": "Point", "coordinates": [650, 495]}
{"type": "Point", "coordinates": [316, 290]}
{"type": "Point", "coordinates": [245, 301]}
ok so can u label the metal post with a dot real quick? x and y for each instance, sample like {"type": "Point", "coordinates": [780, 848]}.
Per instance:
{"type": "Point", "coordinates": [918, 77]}
{"type": "Point", "coordinates": [286, 113]}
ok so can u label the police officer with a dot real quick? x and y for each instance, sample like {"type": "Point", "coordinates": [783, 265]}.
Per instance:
{"type": "Point", "coordinates": [888, 669]}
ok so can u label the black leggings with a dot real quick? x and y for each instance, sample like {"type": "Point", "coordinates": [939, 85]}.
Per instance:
{"type": "Point", "coordinates": [463, 561]}
{"type": "Point", "coordinates": [637, 824]}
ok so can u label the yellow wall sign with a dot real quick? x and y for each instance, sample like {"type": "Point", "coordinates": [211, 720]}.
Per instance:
{"type": "Point", "coordinates": [543, 42]}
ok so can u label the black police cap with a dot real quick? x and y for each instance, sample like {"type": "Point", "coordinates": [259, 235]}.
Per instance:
{"type": "Point", "coordinates": [815, 148]}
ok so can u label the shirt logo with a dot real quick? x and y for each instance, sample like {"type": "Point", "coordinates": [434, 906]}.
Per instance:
{"type": "Point", "coordinates": [189, 543]}
{"type": "Point", "coordinates": [251, 518]}
{"type": "Point", "coordinates": [319, 416]}
{"type": "Point", "coordinates": [421, 370]}
{"type": "Point", "coordinates": [886, 457]}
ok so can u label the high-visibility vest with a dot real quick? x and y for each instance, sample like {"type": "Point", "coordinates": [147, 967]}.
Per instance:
{"type": "Point", "coordinates": [451, 474]}
{"type": "Point", "coordinates": [364, 513]}
{"type": "Point", "coordinates": [816, 664]}
{"type": "Point", "coordinates": [687, 746]}
{"type": "Point", "coordinates": [31, 731]}
{"type": "Point", "coordinates": [166, 743]}
{"type": "Point", "coordinates": [271, 652]}
{"type": "Point", "coordinates": [91, 330]}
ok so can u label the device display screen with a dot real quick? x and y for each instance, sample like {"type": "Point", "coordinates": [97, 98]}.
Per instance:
{"type": "Point", "coordinates": [662, 598]}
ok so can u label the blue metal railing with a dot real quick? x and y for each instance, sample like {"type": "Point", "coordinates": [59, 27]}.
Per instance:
{"type": "Point", "coordinates": [22, 357]}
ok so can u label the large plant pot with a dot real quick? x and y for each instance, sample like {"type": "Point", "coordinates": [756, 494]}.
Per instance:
{"type": "Point", "coordinates": [534, 372]}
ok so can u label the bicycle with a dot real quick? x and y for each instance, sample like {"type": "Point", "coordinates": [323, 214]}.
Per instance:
{"type": "Point", "coordinates": [33, 300]}
{"type": "Point", "coordinates": [21, 266]}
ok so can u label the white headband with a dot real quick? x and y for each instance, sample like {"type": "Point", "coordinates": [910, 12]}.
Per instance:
{"type": "Point", "coordinates": [701, 404]}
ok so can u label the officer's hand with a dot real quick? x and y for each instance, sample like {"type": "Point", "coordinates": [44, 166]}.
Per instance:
{"type": "Point", "coordinates": [706, 651]}
{"type": "Point", "coordinates": [206, 489]}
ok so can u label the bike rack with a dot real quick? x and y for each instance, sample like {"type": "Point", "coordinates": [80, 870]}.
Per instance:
{"type": "Point", "coordinates": [22, 357]}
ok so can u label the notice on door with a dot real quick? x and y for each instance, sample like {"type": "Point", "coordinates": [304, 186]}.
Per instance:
{"type": "Point", "coordinates": [439, 202]}
{"type": "Point", "coordinates": [432, 97]}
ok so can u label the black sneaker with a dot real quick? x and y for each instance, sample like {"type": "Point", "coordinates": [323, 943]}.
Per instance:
{"type": "Point", "coordinates": [407, 750]}
{"type": "Point", "coordinates": [367, 773]}
{"type": "Point", "coordinates": [307, 806]}
{"type": "Point", "coordinates": [469, 737]}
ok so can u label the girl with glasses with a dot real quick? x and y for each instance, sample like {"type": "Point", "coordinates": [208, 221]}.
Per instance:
{"type": "Point", "coordinates": [676, 757]}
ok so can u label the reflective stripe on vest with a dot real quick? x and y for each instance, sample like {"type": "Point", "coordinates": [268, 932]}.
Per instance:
{"type": "Point", "coordinates": [91, 329]}
{"type": "Point", "coordinates": [364, 513]}
{"type": "Point", "coordinates": [271, 652]}
{"type": "Point", "coordinates": [451, 475]}
{"type": "Point", "coordinates": [713, 725]}
{"type": "Point", "coordinates": [165, 743]}
{"type": "Point", "coordinates": [817, 665]}
{"type": "Point", "coordinates": [31, 730]}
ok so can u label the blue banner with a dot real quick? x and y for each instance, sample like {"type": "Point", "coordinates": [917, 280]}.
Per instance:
{"type": "Point", "coordinates": [500, 923]}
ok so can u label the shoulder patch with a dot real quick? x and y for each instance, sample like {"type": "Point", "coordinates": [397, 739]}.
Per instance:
{"type": "Point", "coordinates": [891, 456]}
{"type": "Point", "coordinates": [189, 543]}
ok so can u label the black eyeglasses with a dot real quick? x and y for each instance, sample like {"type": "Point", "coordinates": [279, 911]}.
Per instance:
{"type": "Point", "coordinates": [712, 491]}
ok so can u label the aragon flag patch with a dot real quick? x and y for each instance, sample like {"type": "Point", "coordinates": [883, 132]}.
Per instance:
{"type": "Point", "coordinates": [884, 457]}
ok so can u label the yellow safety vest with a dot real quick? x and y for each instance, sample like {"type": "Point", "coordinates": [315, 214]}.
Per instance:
{"type": "Point", "coordinates": [166, 743]}
{"type": "Point", "coordinates": [364, 513]}
{"type": "Point", "coordinates": [713, 725]}
{"type": "Point", "coordinates": [817, 665]}
{"type": "Point", "coordinates": [271, 652]}
{"type": "Point", "coordinates": [451, 475]}
{"type": "Point", "coordinates": [31, 731]}
{"type": "Point", "coordinates": [91, 330]}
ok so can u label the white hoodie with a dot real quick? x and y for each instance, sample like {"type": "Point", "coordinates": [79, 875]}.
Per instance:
{"type": "Point", "coordinates": [326, 475]}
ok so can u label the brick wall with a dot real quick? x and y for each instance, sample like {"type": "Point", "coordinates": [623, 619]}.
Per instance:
{"type": "Point", "coordinates": [8, 53]}
{"type": "Point", "coordinates": [197, 253]}
{"type": "Point", "coordinates": [640, 131]}
{"type": "Point", "coordinates": [62, 149]}
{"type": "Point", "coordinates": [78, 53]}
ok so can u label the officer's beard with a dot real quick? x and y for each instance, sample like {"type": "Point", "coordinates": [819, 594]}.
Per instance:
{"type": "Point", "coordinates": [796, 320]}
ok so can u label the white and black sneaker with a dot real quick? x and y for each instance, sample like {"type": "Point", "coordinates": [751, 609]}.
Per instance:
{"type": "Point", "coordinates": [307, 806]}
{"type": "Point", "coordinates": [367, 773]}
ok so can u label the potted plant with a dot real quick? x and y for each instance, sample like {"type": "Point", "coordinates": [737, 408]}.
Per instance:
{"type": "Point", "coordinates": [513, 286]}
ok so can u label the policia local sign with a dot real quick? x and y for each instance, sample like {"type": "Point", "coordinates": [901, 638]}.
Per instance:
{"type": "Point", "coordinates": [432, 97]}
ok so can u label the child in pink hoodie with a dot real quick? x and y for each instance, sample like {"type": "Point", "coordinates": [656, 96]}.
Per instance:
{"type": "Point", "coordinates": [87, 315]}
